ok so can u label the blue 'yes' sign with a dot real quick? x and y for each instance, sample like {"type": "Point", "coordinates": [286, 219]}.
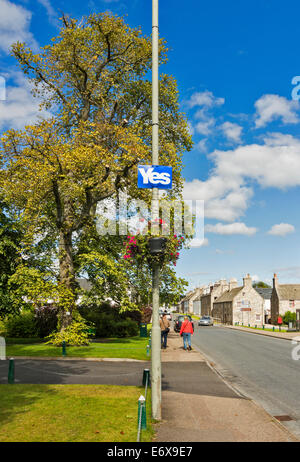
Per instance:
{"type": "Point", "coordinates": [154, 176]}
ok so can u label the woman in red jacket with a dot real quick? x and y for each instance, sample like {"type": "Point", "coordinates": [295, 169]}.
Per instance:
{"type": "Point", "coordinates": [187, 331]}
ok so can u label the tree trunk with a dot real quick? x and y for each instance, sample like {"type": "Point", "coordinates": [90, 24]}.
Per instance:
{"type": "Point", "coordinates": [66, 278]}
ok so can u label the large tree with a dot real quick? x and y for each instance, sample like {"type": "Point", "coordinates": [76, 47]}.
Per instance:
{"type": "Point", "coordinates": [93, 78]}
{"type": "Point", "coordinates": [10, 257]}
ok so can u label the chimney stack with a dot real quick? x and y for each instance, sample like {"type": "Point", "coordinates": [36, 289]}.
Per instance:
{"type": "Point", "coordinates": [233, 284]}
{"type": "Point", "coordinates": [275, 281]}
{"type": "Point", "coordinates": [247, 281]}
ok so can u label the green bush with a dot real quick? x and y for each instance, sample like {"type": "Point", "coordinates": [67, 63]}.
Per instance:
{"type": "Point", "coordinates": [109, 322]}
{"type": "Point", "coordinates": [126, 328]}
{"type": "Point", "coordinates": [74, 335]}
{"type": "Point", "coordinates": [21, 326]}
{"type": "Point", "coordinates": [289, 317]}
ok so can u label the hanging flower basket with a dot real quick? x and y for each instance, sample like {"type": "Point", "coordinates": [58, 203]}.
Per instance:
{"type": "Point", "coordinates": [153, 249]}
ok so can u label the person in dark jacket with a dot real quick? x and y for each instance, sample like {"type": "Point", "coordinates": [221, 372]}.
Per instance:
{"type": "Point", "coordinates": [165, 329]}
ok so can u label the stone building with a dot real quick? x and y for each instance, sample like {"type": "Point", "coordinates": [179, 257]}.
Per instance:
{"type": "Point", "coordinates": [266, 293]}
{"type": "Point", "coordinates": [240, 304]}
{"type": "Point", "coordinates": [285, 297]}
{"type": "Point", "coordinates": [212, 294]}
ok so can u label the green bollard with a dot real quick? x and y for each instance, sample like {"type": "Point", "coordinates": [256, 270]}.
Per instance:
{"type": "Point", "coordinates": [149, 342]}
{"type": "Point", "coordinates": [263, 326]}
{"type": "Point", "coordinates": [146, 377]}
{"type": "Point", "coordinates": [64, 350]}
{"type": "Point", "coordinates": [11, 371]}
{"type": "Point", "coordinates": [255, 326]}
{"type": "Point", "coordinates": [273, 328]}
{"type": "Point", "coordinates": [142, 413]}
{"type": "Point", "coordinates": [148, 350]}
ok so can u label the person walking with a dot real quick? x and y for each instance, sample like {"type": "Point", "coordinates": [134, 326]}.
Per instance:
{"type": "Point", "coordinates": [186, 332]}
{"type": "Point", "coordinates": [165, 329]}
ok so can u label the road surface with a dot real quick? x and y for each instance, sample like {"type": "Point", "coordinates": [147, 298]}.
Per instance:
{"type": "Point", "coordinates": [261, 367]}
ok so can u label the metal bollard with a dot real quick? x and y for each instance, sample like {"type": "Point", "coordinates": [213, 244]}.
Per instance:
{"type": "Point", "coordinates": [142, 413]}
{"type": "Point", "coordinates": [148, 350]}
{"type": "Point", "coordinates": [64, 350]}
{"type": "Point", "coordinates": [146, 377]}
{"type": "Point", "coordinates": [11, 371]}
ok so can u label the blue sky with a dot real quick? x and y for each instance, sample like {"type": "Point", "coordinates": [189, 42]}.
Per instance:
{"type": "Point", "coordinates": [234, 62]}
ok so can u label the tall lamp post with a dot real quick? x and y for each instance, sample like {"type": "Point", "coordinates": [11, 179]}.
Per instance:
{"type": "Point", "coordinates": [156, 332]}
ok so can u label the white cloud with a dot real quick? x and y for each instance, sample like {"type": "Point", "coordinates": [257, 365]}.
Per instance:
{"type": "Point", "coordinates": [273, 164]}
{"type": "Point", "coordinates": [232, 131]}
{"type": "Point", "coordinates": [224, 199]}
{"type": "Point", "coordinates": [232, 228]}
{"type": "Point", "coordinates": [272, 107]}
{"type": "Point", "coordinates": [52, 14]}
{"type": "Point", "coordinates": [190, 128]}
{"type": "Point", "coordinates": [205, 98]}
{"type": "Point", "coordinates": [281, 229]}
{"type": "Point", "coordinates": [205, 127]}
{"type": "Point", "coordinates": [255, 278]}
{"type": "Point", "coordinates": [14, 26]}
{"type": "Point", "coordinates": [201, 146]}
{"type": "Point", "coordinates": [20, 107]}
{"type": "Point", "coordinates": [228, 189]}
{"type": "Point", "coordinates": [196, 242]}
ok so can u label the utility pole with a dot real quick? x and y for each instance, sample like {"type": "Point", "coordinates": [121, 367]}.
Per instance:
{"type": "Point", "coordinates": [156, 332]}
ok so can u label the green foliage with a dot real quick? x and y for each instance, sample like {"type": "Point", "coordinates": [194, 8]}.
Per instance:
{"type": "Point", "coordinates": [109, 322]}
{"type": "Point", "coordinates": [289, 317]}
{"type": "Point", "coordinates": [21, 326]}
{"type": "Point", "coordinates": [10, 237]}
{"type": "Point", "coordinates": [93, 76]}
{"type": "Point", "coordinates": [125, 328]}
{"type": "Point", "coordinates": [74, 335]}
{"type": "Point", "coordinates": [106, 276]}
{"type": "Point", "coordinates": [261, 284]}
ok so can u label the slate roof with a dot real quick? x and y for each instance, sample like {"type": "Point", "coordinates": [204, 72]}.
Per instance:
{"type": "Point", "coordinates": [265, 292]}
{"type": "Point", "coordinates": [289, 291]}
{"type": "Point", "coordinates": [229, 295]}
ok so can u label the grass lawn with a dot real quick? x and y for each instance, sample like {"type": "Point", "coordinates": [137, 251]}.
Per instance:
{"type": "Point", "coordinates": [283, 331]}
{"type": "Point", "coordinates": [75, 413]}
{"type": "Point", "coordinates": [132, 348]}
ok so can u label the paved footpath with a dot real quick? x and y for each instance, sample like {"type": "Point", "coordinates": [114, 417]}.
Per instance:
{"type": "Point", "coordinates": [206, 408]}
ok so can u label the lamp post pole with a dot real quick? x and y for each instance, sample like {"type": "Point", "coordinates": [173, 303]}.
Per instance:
{"type": "Point", "coordinates": [156, 333]}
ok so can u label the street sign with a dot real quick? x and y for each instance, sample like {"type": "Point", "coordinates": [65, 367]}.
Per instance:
{"type": "Point", "coordinates": [154, 176]}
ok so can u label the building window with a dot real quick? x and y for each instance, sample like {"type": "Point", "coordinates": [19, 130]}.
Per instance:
{"type": "Point", "coordinates": [292, 303]}
{"type": "Point", "coordinates": [258, 317]}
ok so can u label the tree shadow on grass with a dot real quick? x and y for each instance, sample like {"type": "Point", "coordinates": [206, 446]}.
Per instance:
{"type": "Point", "coordinates": [18, 399]}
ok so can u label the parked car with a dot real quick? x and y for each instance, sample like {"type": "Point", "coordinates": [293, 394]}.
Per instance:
{"type": "Point", "coordinates": [206, 321]}
{"type": "Point", "coordinates": [179, 320]}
